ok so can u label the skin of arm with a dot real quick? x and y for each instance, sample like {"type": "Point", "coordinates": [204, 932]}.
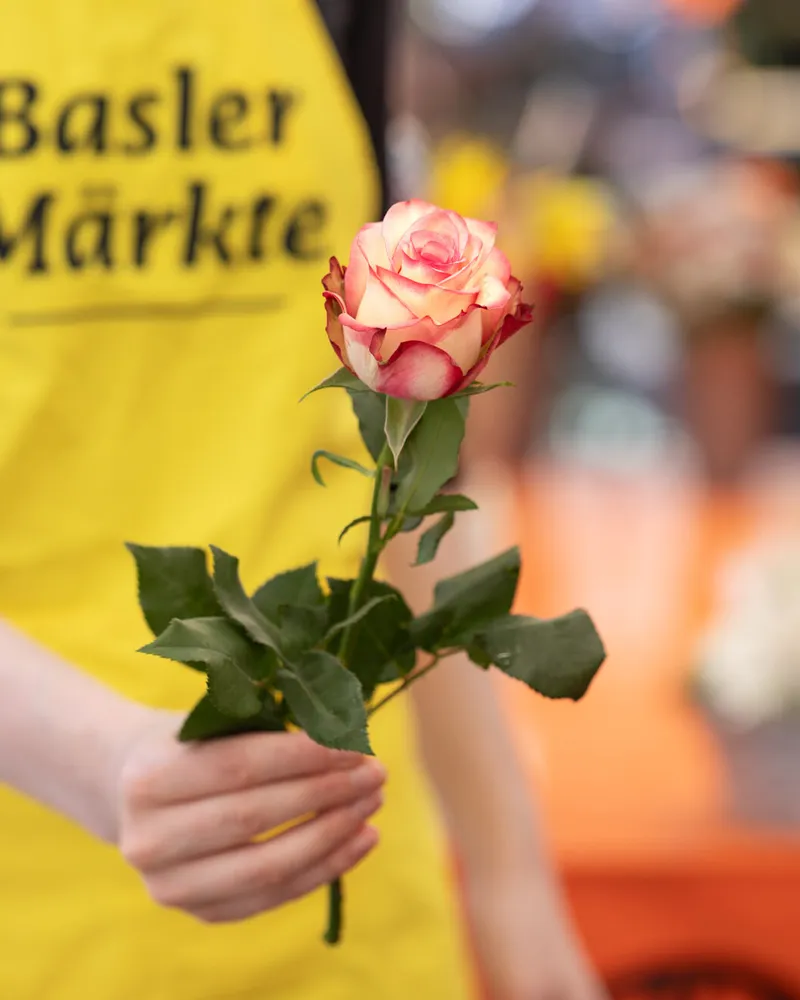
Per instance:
{"type": "Point", "coordinates": [53, 720]}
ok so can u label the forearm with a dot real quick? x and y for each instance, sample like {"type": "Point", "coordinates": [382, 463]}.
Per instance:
{"type": "Point", "coordinates": [475, 770]}
{"type": "Point", "coordinates": [523, 937]}
{"type": "Point", "coordinates": [62, 734]}
{"type": "Point", "coordinates": [464, 738]}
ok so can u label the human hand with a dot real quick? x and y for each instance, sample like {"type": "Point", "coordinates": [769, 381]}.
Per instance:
{"type": "Point", "coordinates": [190, 818]}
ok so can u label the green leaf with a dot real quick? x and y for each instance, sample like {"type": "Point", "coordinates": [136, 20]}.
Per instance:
{"type": "Point", "coordinates": [231, 595]}
{"type": "Point", "coordinates": [357, 616]}
{"type": "Point", "coordinates": [341, 379]}
{"type": "Point", "coordinates": [345, 463]}
{"type": "Point", "coordinates": [297, 586]}
{"type": "Point", "coordinates": [480, 387]}
{"type": "Point", "coordinates": [206, 640]}
{"type": "Point", "coordinates": [382, 644]}
{"type": "Point", "coordinates": [365, 519]}
{"type": "Point", "coordinates": [338, 607]}
{"type": "Point", "coordinates": [402, 416]}
{"type": "Point", "coordinates": [478, 654]}
{"type": "Point", "coordinates": [232, 662]}
{"type": "Point", "coordinates": [411, 523]}
{"type": "Point", "coordinates": [432, 450]}
{"type": "Point", "coordinates": [206, 722]}
{"type": "Point", "coordinates": [232, 691]}
{"type": "Point", "coordinates": [429, 542]}
{"type": "Point", "coordinates": [294, 601]}
{"type": "Point", "coordinates": [173, 583]}
{"type": "Point", "coordinates": [326, 701]}
{"type": "Point", "coordinates": [558, 657]}
{"type": "Point", "coordinates": [464, 603]}
{"type": "Point", "coordinates": [389, 674]}
{"type": "Point", "coordinates": [301, 628]}
{"type": "Point", "coordinates": [370, 411]}
{"type": "Point", "coordinates": [487, 589]}
{"type": "Point", "coordinates": [445, 502]}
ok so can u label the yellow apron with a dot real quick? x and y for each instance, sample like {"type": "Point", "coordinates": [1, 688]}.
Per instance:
{"type": "Point", "coordinates": [173, 177]}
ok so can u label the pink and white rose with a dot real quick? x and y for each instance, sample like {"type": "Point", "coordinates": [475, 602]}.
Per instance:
{"type": "Point", "coordinates": [425, 300]}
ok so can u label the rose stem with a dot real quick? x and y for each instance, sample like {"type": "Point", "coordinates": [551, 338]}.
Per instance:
{"type": "Point", "coordinates": [334, 932]}
{"type": "Point", "coordinates": [408, 681]}
{"type": "Point", "coordinates": [368, 564]}
{"type": "Point", "coordinates": [370, 561]}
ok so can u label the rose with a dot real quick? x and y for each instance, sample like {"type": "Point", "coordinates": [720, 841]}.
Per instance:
{"type": "Point", "coordinates": [425, 300]}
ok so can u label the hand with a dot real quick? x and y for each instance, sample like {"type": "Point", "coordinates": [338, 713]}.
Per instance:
{"type": "Point", "coordinates": [190, 815]}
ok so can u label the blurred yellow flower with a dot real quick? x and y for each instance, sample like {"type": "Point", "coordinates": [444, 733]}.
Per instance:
{"type": "Point", "coordinates": [561, 226]}
{"type": "Point", "coordinates": [468, 176]}
{"type": "Point", "coordinates": [555, 226]}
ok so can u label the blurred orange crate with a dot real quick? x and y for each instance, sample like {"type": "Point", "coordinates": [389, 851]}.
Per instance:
{"type": "Point", "coordinates": [631, 781]}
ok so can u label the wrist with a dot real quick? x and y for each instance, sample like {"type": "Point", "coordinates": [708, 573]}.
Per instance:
{"type": "Point", "coordinates": [89, 754]}
{"type": "Point", "coordinates": [63, 735]}
{"type": "Point", "coordinates": [114, 736]}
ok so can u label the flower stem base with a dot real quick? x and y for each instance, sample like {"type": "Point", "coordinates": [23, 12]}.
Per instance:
{"type": "Point", "coordinates": [333, 933]}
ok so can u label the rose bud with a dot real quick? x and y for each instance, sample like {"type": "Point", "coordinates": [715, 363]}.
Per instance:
{"type": "Point", "coordinates": [425, 300]}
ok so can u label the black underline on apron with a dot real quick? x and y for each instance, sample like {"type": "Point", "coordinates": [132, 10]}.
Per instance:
{"type": "Point", "coordinates": [149, 310]}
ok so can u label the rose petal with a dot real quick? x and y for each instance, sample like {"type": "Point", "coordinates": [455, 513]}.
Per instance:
{"type": "Point", "coordinates": [440, 304]}
{"type": "Point", "coordinates": [476, 369]}
{"type": "Point", "coordinates": [474, 257]}
{"type": "Point", "coordinates": [380, 307]}
{"type": "Point", "coordinates": [424, 330]}
{"type": "Point", "coordinates": [334, 280]}
{"type": "Point", "coordinates": [424, 272]}
{"type": "Point", "coordinates": [360, 331]}
{"type": "Point", "coordinates": [461, 227]}
{"type": "Point", "coordinates": [439, 222]}
{"type": "Point", "coordinates": [370, 240]}
{"type": "Point", "coordinates": [432, 247]}
{"type": "Point", "coordinates": [493, 308]}
{"type": "Point", "coordinates": [493, 294]}
{"type": "Point", "coordinates": [333, 309]}
{"type": "Point", "coordinates": [461, 337]}
{"type": "Point", "coordinates": [334, 298]}
{"type": "Point", "coordinates": [367, 248]}
{"type": "Point", "coordinates": [398, 221]}
{"type": "Point", "coordinates": [419, 371]}
{"type": "Point", "coordinates": [449, 224]}
{"type": "Point", "coordinates": [514, 322]}
{"type": "Point", "coordinates": [497, 266]}
{"type": "Point", "coordinates": [514, 286]}
{"type": "Point", "coordinates": [493, 301]}
{"type": "Point", "coordinates": [486, 232]}
{"type": "Point", "coordinates": [462, 341]}
{"type": "Point", "coordinates": [360, 358]}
